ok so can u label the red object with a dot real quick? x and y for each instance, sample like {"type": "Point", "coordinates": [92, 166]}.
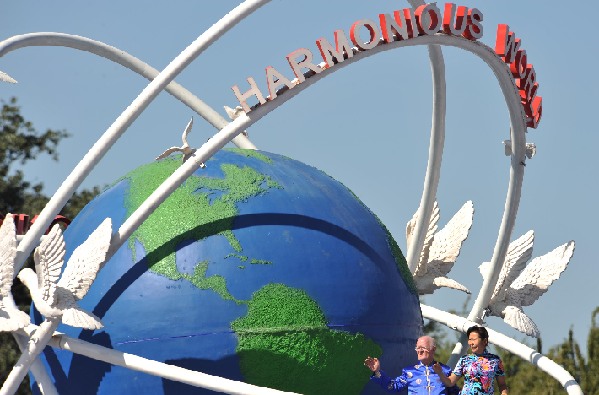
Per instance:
{"type": "Point", "coordinates": [22, 223]}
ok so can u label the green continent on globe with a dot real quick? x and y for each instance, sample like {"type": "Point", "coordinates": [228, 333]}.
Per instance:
{"type": "Point", "coordinates": [171, 224]}
{"type": "Point", "coordinates": [284, 339]}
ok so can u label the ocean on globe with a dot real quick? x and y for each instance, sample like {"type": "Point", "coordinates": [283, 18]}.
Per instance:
{"type": "Point", "coordinates": [258, 268]}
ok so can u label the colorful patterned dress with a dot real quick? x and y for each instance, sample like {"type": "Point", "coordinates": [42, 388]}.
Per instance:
{"type": "Point", "coordinates": [479, 371]}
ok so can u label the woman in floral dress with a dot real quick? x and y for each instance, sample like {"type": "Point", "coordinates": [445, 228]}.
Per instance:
{"type": "Point", "coordinates": [479, 368]}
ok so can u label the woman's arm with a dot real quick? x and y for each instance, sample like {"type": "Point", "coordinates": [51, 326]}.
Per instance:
{"type": "Point", "coordinates": [448, 381]}
{"type": "Point", "coordinates": [502, 385]}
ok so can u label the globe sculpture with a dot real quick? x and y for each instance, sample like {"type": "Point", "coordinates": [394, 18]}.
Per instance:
{"type": "Point", "coordinates": [259, 268]}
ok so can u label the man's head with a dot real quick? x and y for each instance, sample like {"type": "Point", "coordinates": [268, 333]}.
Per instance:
{"type": "Point", "coordinates": [425, 349]}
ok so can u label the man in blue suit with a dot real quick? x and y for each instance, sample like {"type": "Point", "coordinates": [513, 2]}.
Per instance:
{"type": "Point", "coordinates": [418, 379]}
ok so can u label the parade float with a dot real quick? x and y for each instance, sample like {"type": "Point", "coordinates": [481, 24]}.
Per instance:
{"type": "Point", "coordinates": [242, 271]}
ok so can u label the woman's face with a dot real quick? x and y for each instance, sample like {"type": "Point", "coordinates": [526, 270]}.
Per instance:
{"type": "Point", "coordinates": [477, 345]}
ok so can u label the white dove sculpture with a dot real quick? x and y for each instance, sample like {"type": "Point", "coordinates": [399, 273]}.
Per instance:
{"type": "Point", "coordinates": [54, 297]}
{"type": "Point", "coordinates": [234, 113]}
{"type": "Point", "coordinates": [185, 148]}
{"type": "Point", "coordinates": [521, 285]}
{"type": "Point", "coordinates": [531, 149]}
{"type": "Point", "coordinates": [440, 249]}
{"type": "Point", "coordinates": [11, 318]}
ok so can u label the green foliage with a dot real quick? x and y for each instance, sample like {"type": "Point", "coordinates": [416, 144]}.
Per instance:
{"type": "Point", "coordinates": [524, 378]}
{"type": "Point", "coordinates": [78, 201]}
{"type": "Point", "coordinates": [584, 370]}
{"type": "Point", "coordinates": [20, 143]}
{"type": "Point", "coordinates": [592, 377]}
{"type": "Point", "coordinates": [9, 354]}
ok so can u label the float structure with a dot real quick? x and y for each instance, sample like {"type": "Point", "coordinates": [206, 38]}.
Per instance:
{"type": "Point", "coordinates": [423, 24]}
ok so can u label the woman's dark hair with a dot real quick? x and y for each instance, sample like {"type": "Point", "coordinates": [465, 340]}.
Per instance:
{"type": "Point", "coordinates": [480, 330]}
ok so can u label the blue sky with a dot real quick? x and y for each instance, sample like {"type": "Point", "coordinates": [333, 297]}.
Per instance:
{"type": "Point", "coordinates": [367, 125]}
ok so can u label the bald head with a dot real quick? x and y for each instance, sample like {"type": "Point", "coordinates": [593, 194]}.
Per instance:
{"type": "Point", "coordinates": [428, 342]}
{"type": "Point", "coordinates": [425, 349]}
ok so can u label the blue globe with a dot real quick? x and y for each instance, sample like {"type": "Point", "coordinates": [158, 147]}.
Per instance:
{"type": "Point", "coordinates": [258, 268]}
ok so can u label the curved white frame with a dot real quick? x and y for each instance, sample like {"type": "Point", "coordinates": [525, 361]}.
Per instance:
{"type": "Point", "coordinates": [435, 153]}
{"type": "Point", "coordinates": [233, 129]}
{"type": "Point", "coordinates": [51, 39]}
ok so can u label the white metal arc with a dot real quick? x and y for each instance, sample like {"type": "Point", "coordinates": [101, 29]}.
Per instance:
{"type": "Point", "coordinates": [123, 58]}
{"type": "Point", "coordinates": [33, 348]}
{"type": "Point", "coordinates": [435, 154]}
{"type": "Point", "coordinates": [120, 125]}
{"type": "Point", "coordinates": [159, 369]}
{"type": "Point", "coordinates": [461, 324]}
{"type": "Point", "coordinates": [42, 378]}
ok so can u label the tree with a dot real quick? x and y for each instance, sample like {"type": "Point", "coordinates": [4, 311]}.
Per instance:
{"type": "Point", "coordinates": [584, 370]}
{"type": "Point", "coordinates": [524, 378]}
{"type": "Point", "coordinates": [592, 379]}
{"type": "Point", "coordinates": [20, 143]}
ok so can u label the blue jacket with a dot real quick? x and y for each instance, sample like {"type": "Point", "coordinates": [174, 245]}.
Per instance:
{"type": "Point", "coordinates": [420, 379]}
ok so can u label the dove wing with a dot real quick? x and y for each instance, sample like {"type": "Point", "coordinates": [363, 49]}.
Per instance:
{"type": "Point", "coordinates": [49, 257]}
{"type": "Point", "coordinates": [540, 274]}
{"type": "Point", "coordinates": [516, 318]}
{"type": "Point", "coordinates": [76, 317]}
{"type": "Point", "coordinates": [9, 325]}
{"type": "Point", "coordinates": [11, 318]}
{"type": "Point", "coordinates": [7, 78]}
{"type": "Point", "coordinates": [186, 132]}
{"type": "Point", "coordinates": [233, 113]}
{"type": "Point", "coordinates": [168, 152]}
{"type": "Point", "coordinates": [448, 241]}
{"type": "Point", "coordinates": [449, 283]}
{"type": "Point", "coordinates": [8, 252]}
{"type": "Point", "coordinates": [430, 234]}
{"type": "Point", "coordinates": [519, 252]}
{"type": "Point", "coordinates": [84, 264]}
